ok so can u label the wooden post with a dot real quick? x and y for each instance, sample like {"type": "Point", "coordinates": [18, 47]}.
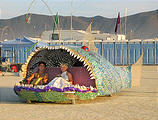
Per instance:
{"type": "Point", "coordinates": [71, 96]}
{"type": "Point", "coordinates": [28, 101]}
{"type": "Point", "coordinates": [155, 51]}
{"type": "Point", "coordinates": [102, 48]}
{"type": "Point", "coordinates": [115, 53]}
{"type": "Point", "coordinates": [128, 54]}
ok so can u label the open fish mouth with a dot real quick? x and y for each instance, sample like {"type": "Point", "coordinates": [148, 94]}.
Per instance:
{"type": "Point", "coordinates": [54, 56]}
{"type": "Point", "coordinates": [95, 70]}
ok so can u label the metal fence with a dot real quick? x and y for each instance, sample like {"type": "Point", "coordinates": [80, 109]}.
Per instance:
{"type": "Point", "coordinates": [118, 53]}
{"type": "Point", "coordinates": [126, 53]}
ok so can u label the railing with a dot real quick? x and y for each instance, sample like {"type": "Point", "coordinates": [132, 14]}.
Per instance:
{"type": "Point", "coordinates": [118, 53]}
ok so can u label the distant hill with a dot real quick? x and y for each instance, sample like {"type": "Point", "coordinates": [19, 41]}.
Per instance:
{"type": "Point", "coordinates": [143, 25]}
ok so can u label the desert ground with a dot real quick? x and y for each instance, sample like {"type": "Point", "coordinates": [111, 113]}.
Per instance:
{"type": "Point", "coordinates": [139, 103]}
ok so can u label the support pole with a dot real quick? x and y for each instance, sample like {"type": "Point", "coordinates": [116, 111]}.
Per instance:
{"type": "Point", "coordinates": [155, 51]}
{"type": "Point", "coordinates": [71, 19]}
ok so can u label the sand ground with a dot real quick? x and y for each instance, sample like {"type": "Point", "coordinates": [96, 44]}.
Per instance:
{"type": "Point", "coordinates": [139, 103]}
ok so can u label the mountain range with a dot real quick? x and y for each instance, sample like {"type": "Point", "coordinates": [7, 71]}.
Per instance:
{"type": "Point", "coordinates": [138, 26]}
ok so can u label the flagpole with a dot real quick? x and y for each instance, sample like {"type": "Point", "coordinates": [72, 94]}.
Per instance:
{"type": "Point", "coordinates": [116, 27]}
{"type": "Point", "coordinates": [120, 27]}
{"type": "Point", "coordinates": [71, 18]}
{"type": "Point", "coordinates": [125, 19]}
{"type": "Point", "coordinates": [121, 42]}
{"type": "Point", "coordinates": [59, 26]}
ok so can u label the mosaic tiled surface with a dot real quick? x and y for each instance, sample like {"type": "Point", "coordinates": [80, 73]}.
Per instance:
{"type": "Point", "coordinates": [109, 79]}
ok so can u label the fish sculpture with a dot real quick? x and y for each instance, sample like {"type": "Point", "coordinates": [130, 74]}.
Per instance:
{"type": "Point", "coordinates": [107, 79]}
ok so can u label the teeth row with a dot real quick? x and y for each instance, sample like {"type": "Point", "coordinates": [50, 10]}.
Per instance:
{"type": "Point", "coordinates": [42, 86]}
{"type": "Point", "coordinates": [26, 85]}
{"type": "Point", "coordinates": [83, 87]}
{"type": "Point", "coordinates": [58, 47]}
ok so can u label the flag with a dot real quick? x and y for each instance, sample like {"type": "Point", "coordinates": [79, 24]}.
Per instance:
{"type": "Point", "coordinates": [117, 23]}
{"type": "Point", "coordinates": [91, 20]}
{"type": "Point", "coordinates": [28, 18]}
{"type": "Point", "coordinates": [56, 22]}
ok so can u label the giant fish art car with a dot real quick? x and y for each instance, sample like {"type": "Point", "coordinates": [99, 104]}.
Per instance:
{"type": "Point", "coordinates": [93, 75]}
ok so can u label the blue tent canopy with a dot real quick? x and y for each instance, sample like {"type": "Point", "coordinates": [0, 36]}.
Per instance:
{"type": "Point", "coordinates": [15, 50]}
{"type": "Point", "coordinates": [24, 41]}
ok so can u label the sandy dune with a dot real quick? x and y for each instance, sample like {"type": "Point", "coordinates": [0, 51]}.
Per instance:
{"type": "Point", "coordinates": [139, 103]}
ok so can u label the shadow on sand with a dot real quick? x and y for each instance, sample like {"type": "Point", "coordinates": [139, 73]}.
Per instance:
{"type": "Point", "coordinates": [7, 96]}
{"type": "Point", "coordinates": [139, 93]}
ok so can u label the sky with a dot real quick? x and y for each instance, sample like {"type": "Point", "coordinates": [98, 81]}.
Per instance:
{"type": "Point", "coordinates": [87, 8]}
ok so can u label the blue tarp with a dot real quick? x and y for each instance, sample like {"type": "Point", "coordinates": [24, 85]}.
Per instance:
{"type": "Point", "coordinates": [24, 41]}
{"type": "Point", "coordinates": [17, 49]}
{"type": "Point", "coordinates": [116, 53]}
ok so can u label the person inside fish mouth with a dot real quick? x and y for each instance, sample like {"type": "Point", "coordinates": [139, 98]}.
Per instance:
{"type": "Point", "coordinates": [38, 78]}
{"type": "Point", "coordinates": [64, 79]}
{"type": "Point", "coordinates": [65, 74]}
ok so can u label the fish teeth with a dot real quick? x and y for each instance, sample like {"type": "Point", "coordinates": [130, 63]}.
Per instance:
{"type": "Point", "coordinates": [36, 50]}
{"type": "Point", "coordinates": [70, 53]}
{"type": "Point", "coordinates": [31, 53]}
{"type": "Point", "coordinates": [91, 75]}
{"type": "Point", "coordinates": [57, 47]}
{"type": "Point", "coordinates": [77, 86]}
{"type": "Point", "coordinates": [78, 57]}
{"type": "Point", "coordinates": [92, 78]}
{"type": "Point", "coordinates": [41, 87]}
{"type": "Point", "coordinates": [75, 55]}
{"type": "Point", "coordinates": [91, 72]}
{"type": "Point", "coordinates": [89, 69]}
{"type": "Point", "coordinates": [84, 87]}
{"type": "Point", "coordinates": [81, 59]}
{"type": "Point", "coordinates": [85, 65]}
{"type": "Point", "coordinates": [91, 88]}
{"type": "Point", "coordinates": [29, 57]}
{"type": "Point", "coordinates": [17, 84]}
